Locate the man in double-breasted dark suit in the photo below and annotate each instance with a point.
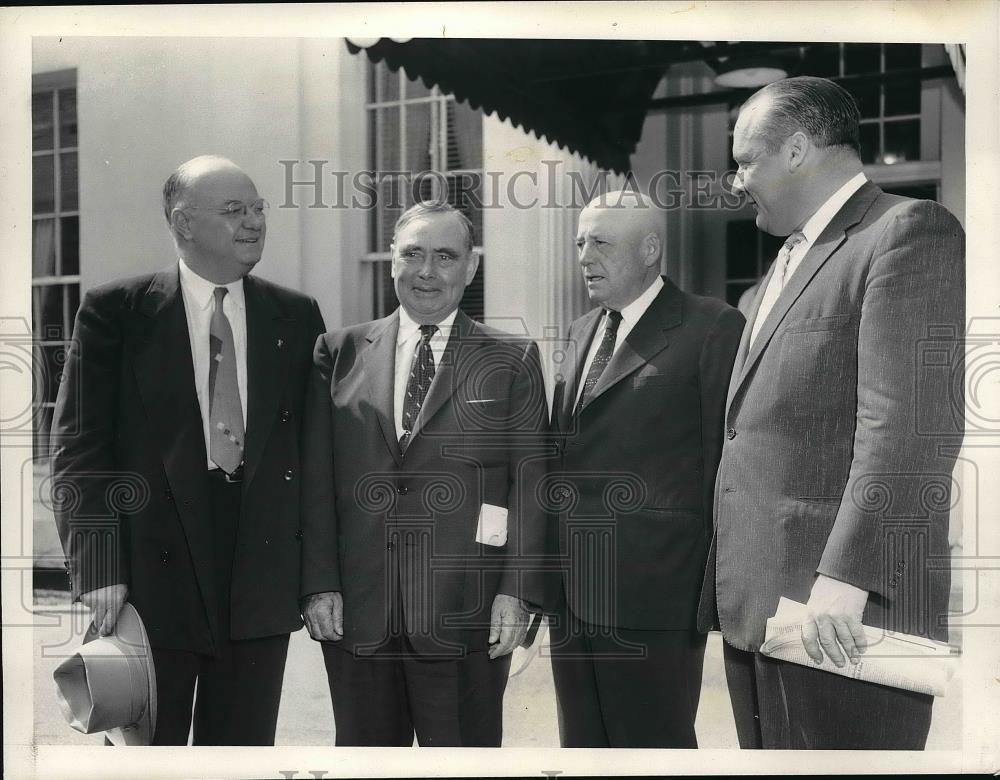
(843, 421)
(177, 470)
(639, 423)
(425, 447)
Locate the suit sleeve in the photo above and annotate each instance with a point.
(915, 290)
(528, 451)
(715, 367)
(320, 554)
(84, 466)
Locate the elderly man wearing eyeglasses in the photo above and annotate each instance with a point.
(177, 433)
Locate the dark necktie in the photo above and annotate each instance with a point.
(225, 410)
(421, 374)
(603, 356)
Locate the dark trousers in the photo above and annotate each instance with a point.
(779, 705)
(239, 689)
(386, 698)
(625, 688)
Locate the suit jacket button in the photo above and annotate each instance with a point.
(298, 534)
(165, 556)
(402, 490)
(285, 415)
(288, 475)
(731, 433)
(169, 494)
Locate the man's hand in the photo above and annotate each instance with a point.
(104, 605)
(834, 619)
(508, 625)
(324, 616)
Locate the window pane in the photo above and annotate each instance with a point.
(41, 121)
(387, 158)
(53, 356)
(902, 97)
(42, 185)
(736, 289)
(47, 311)
(70, 242)
(418, 138)
(867, 97)
(465, 137)
(68, 181)
(465, 194)
(415, 88)
(869, 143)
(67, 118)
(862, 58)
(474, 300)
(918, 191)
(72, 307)
(902, 141)
(384, 291)
(769, 248)
(902, 55)
(822, 59)
(43, 248)
(741, 249)
(386, 82)
(392, 195)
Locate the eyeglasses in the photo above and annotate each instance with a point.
(237, 208)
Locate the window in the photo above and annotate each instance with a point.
(421, 142)
(55, 243)
(897, 141)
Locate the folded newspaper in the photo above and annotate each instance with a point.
(912, 663)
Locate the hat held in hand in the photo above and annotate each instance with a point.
(109, 684)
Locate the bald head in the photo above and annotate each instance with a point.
(619, 243)
(214, 214)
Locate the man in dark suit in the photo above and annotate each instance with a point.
(177, 469)
(640, 425)
(833, 488)
(424, 449)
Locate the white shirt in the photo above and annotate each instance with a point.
(407, 341)
(630, 316)
(817, 223)
(199, 301)
(810, 231)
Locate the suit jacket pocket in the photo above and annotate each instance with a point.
(814, 324)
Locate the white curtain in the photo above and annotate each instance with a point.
(956, 51)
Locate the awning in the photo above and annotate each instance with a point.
(587, 96)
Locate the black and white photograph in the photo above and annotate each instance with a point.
(613, 384)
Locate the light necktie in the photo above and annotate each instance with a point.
(602, 356)
(421, 375)
(777, 282)
(226, 432)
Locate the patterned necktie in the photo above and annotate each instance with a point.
(602, 357)
(225, 410)
(777, 283)
(421, 374)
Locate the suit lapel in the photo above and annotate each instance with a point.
(269, 336)
(159, 348)
(461, 345)
(644, 341)
(586, 331)
(828, 242)
(379, 366)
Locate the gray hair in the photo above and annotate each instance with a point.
(427, 207)
(820, 108)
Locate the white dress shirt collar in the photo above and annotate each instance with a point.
(408, 327)
(201, 291)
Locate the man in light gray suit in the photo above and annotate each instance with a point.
(843, 420)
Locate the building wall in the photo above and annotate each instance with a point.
(146, 105)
